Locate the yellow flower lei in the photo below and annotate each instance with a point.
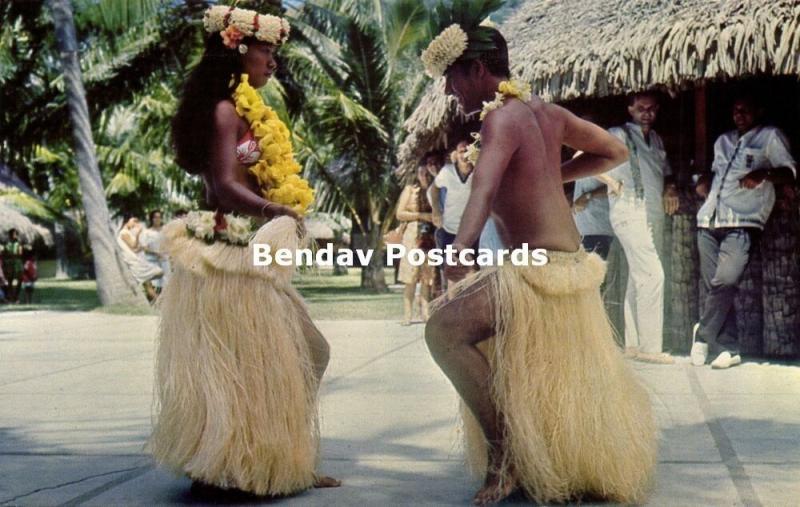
(276, 171)
(506, 90)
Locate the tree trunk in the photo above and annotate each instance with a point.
(373, 275)
(115, 285)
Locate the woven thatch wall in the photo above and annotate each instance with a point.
(572, 48)
(768, 298)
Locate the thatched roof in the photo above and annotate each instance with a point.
(29, 231)
(582, 48)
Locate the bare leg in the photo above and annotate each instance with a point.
(408, 302)
(318, 348)
(425, 297)
(320, 353)
(150, 291)
(452, 334)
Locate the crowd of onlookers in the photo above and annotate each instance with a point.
(630, 203)
(142, 252)
(429, 211)
(18, 271)
(140, 247)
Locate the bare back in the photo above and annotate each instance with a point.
(530, 205)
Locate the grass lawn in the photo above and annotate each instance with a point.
(340, 298)
(329, 298)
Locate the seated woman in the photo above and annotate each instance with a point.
(143, 272)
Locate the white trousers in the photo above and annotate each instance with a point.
(644, 295)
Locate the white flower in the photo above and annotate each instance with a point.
(214, 18)
(474, 149)
(202, 223)
(239, 229)
(444, 50)
(243, 20)
(271, 29)
(243, 49)
(488, 107)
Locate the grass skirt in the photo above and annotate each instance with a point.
(236, 398)
(577, 421)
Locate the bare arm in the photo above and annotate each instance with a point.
(778, 176)
(436, 206)
(403, 213)
(499, 142)
(225, 175)
(601, 150)
(130, 240)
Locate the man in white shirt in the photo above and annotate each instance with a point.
(456, 180)
(590, 210)
(747, 163)
(636, 214)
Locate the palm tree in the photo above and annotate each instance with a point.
(114, 283)
(354, 74)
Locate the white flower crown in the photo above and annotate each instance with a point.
(444, 50)
(234, 24)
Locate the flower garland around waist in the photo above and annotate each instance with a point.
(211, 226)
(276, 171)
(506, 90)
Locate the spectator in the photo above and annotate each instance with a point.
(3, 283)
(151, 242)
(12, 253)
(636, 213)
(748, 162)
(143, 272)
(414, 210)
(456, 180)
(434, 163)
(590, 210)
(29, 276)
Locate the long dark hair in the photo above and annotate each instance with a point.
(207, 85)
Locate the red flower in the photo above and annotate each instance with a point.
(231, 37)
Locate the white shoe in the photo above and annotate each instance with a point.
(726, 360)
(699, 352)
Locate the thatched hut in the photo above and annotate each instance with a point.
(588, 54)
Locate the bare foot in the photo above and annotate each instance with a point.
(496, 488)
(323, 481)
(498, 484)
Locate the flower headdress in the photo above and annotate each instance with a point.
(463, 33)
(234, 24)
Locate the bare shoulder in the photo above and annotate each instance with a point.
(506, 122)
(225, 116)
(559, 114)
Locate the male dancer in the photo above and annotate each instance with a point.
(529, 349)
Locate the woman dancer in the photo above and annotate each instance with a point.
(239, 360)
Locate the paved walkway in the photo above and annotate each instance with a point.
(75, 399)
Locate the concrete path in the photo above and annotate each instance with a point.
(75, 400)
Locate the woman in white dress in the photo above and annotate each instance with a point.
(150, 239)
(143, 272)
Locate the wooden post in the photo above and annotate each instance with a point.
(700, 129)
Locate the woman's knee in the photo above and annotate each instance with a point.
(436, 332)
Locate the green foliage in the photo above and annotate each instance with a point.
(28, 205)
(469, 14)
(360, 74)
(134, 55)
